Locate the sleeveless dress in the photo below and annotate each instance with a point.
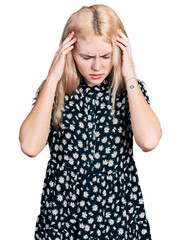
(91, 189)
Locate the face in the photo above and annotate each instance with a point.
(93, 60)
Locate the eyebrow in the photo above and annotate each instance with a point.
(86, 55)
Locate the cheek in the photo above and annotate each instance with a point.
(109, 64)
(82, 66)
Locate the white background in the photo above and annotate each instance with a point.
(30, 35)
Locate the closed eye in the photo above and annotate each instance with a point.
(86, 58)
(105, 57)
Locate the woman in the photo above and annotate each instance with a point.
(88, 109)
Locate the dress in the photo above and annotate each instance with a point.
(91, 189)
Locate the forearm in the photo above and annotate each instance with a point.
(145, 124)
(34, 130)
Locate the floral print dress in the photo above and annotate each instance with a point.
(91, 189)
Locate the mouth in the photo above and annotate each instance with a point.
(96, 76)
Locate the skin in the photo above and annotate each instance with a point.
(93, 58)
(56, 69)
(34, 130)
(145, 124)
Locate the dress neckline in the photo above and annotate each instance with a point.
(101, 87)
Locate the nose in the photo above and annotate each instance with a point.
(96, 64)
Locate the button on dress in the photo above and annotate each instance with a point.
(91, 189)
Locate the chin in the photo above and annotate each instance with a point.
(94, 82)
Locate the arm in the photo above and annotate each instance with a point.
(35, 128)
(145, 124)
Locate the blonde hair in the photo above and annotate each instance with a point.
(88, 22)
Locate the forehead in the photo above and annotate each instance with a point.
(97, 45)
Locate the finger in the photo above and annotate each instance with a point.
(64, 53)
(68, 44)
(63, 47)
(68, 38)
(126, 51)
(126, 43)
(123, 48)
(120, 32)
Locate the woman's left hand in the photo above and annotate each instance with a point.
(127, 63)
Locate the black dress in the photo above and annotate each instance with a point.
(91, 189)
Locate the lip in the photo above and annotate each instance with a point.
(96, 76)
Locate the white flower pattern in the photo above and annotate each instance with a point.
(91, 188)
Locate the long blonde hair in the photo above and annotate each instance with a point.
(87, 22)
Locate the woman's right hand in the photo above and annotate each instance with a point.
(57, 66)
